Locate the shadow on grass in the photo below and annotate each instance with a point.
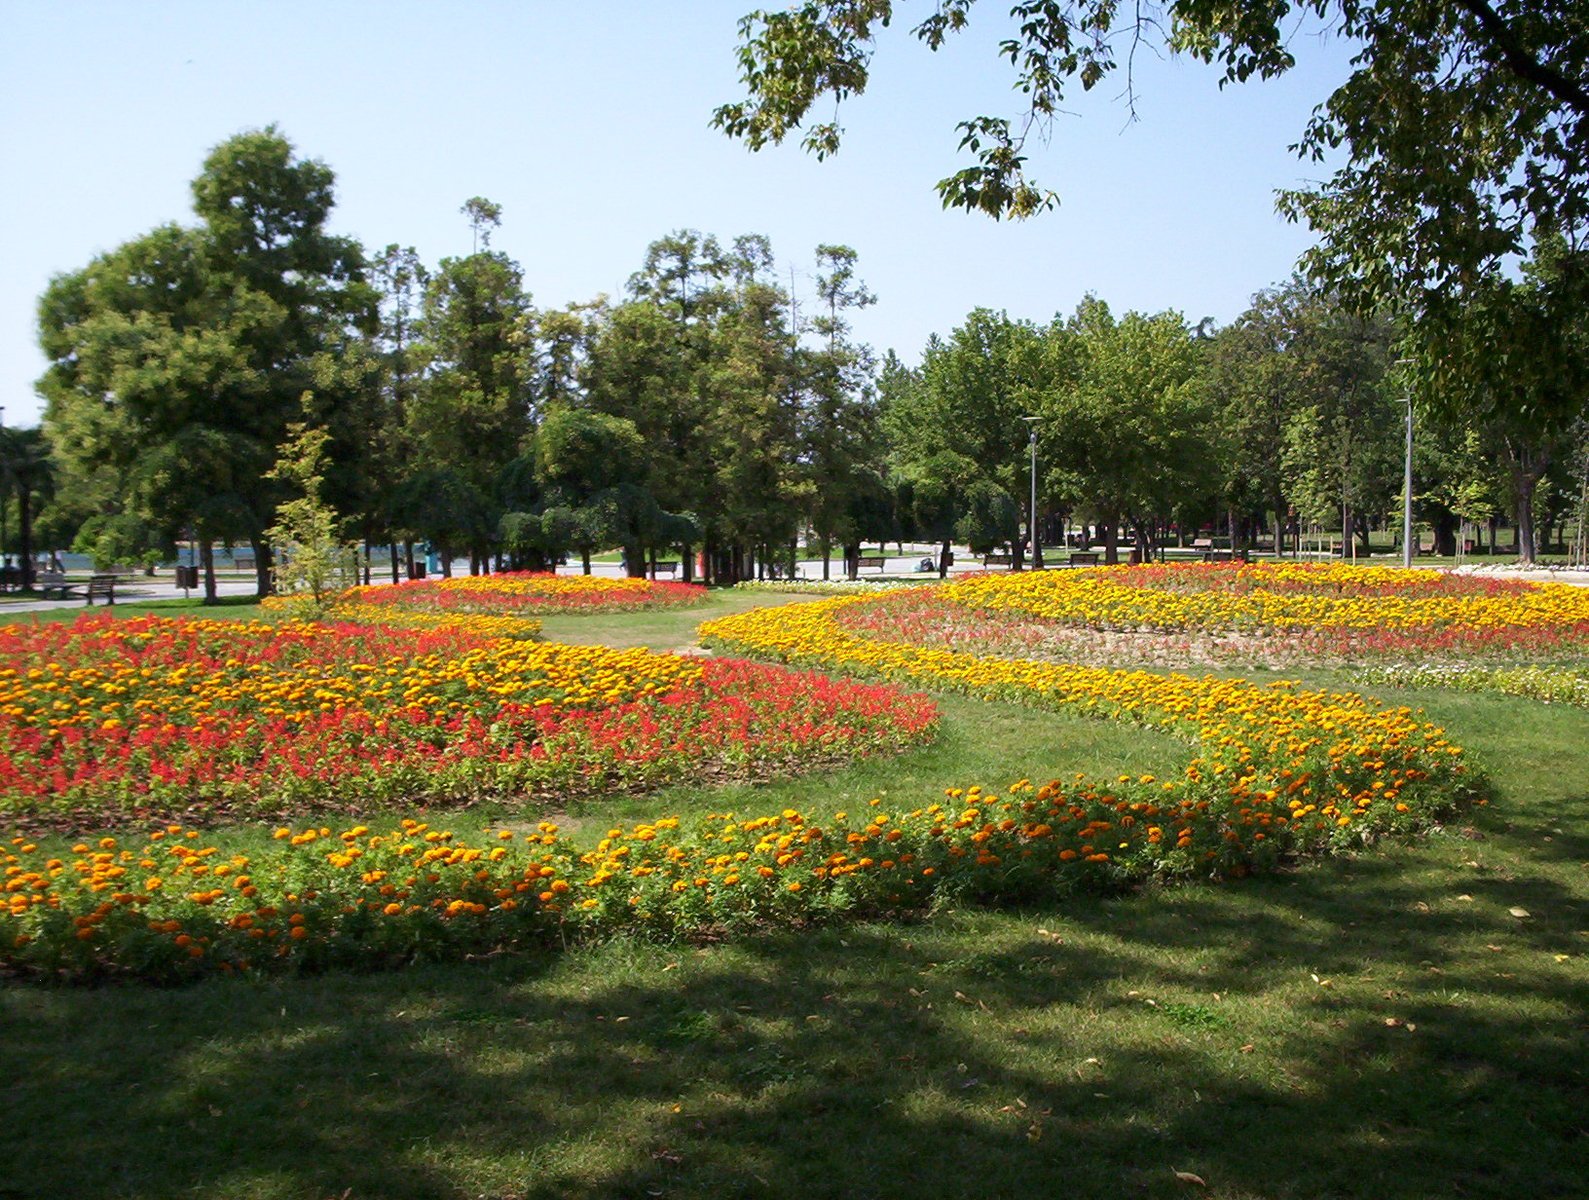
(1380, 1026)
(1343, 1031)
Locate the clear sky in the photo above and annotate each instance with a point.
(589, 124)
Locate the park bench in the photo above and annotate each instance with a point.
(1084, 558)
(53, 584)
(1213, 556)
(872, 560)
(665, 568)
(100, 587)
(998, 560)
(243, 562)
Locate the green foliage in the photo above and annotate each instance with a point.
(956, 423)
(177, 360)
(121, 539)
(314, 565)
(1127, 431)
(1457, 143)
(27, 474)
(1514, 365)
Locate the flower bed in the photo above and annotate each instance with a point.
(169, 907)
(1553, 685)
(1215, 613)
(1339, 769)
(521, 593)
(1276, 772)
(112, 721)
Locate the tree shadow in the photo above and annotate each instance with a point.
(1380, 1025)
(978, 1054)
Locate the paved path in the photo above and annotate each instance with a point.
(136, 590)
(161, 587)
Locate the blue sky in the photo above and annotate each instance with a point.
(589, 124)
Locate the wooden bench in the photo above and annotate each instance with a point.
(1213, 556)
(998, 560)
(243, 562)
(53, 584)
(100, 587)
(665, 568)
(871, 560)
(1084, 558)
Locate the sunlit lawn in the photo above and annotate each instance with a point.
(1384, 1026)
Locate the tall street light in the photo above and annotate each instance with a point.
(1406, 495)
(1031, 520)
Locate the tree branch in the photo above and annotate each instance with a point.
(1522, 63)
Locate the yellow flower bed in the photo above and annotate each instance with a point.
(1273, 596)
(518, 584)
(1338, 759)
(486, 625)
(179, 672)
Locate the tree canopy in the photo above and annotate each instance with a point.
(1462, 123)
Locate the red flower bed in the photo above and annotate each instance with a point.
(108, 721)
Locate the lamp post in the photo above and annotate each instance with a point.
(1406, 495)
(1031, 520)
(5, 498)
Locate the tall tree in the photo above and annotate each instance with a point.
(701, 360)
(959, 415)
(1517, 366)
(474, 412)
(1280, 378)
(178, 359)
(1126, 427)
(840, 437)
(400, 278)
(27, 474)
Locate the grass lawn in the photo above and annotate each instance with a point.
(663, 629)
(1382, 1026)
(229, 607)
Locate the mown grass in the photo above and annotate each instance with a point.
(1380, 1026)
(240, 608)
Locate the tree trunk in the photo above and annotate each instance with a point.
(264, 564)
(1111, 541)
(634, 558)
(207, 561)
(391, 549)
(584, 559)
(1524, 484)
(444, 555)
(25, 534)
(944, 556)
(827, 559)
(1445, 535)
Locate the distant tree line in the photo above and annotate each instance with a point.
(711, 415)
